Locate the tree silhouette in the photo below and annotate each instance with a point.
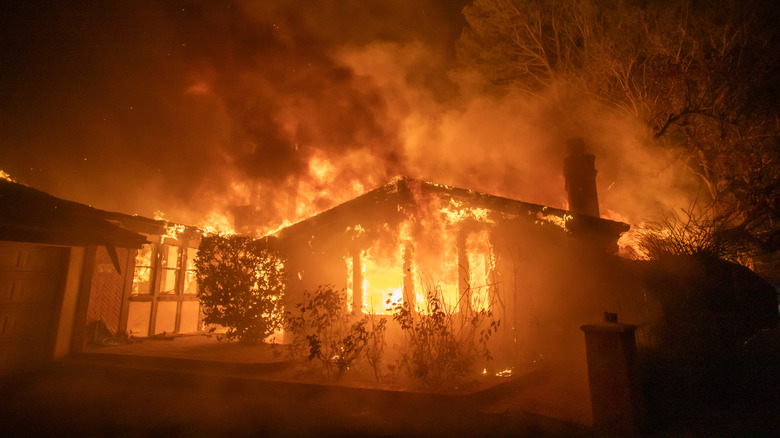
(701, 76)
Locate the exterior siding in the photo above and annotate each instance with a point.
(107, 289)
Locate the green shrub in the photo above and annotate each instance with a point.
(241, 284)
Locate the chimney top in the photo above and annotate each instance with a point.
(580, 174)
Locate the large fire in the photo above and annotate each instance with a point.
(440, 245)
(421, 255)
(383, 282)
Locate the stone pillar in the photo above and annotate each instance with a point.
(613, 375)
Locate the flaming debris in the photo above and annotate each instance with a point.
(217, 223)
(4, 175)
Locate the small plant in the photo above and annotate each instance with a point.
(442, 348)
(325, 332)
(240, 286)
(375, 343)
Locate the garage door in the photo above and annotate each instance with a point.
(31, 285)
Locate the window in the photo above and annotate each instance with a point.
(142, 274)
(163, 297)
(190, 274)
(169, 265)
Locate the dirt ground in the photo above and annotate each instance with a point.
(199, 387)
(97, 400)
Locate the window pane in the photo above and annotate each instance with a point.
(191, 283)
(170, 257)
(144, 256)
(142, 273)
(191, 254)
(168, 281)
(383, 279)
(480, 265)
(141, 276)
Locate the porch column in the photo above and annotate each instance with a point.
(464, 280)
(357, 283)
(408, 294)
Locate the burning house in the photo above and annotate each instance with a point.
(70, 271)
(532, 266)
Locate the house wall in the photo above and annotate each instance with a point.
(107, 287)
(553, 283)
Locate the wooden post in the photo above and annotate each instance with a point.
(80, 321)
(357, 283)
(464, 280)
(408, 294)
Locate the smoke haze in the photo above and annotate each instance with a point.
(190, 108)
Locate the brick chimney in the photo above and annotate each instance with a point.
(580, 174)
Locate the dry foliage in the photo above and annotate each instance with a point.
(441, 348)
(694, 232)
(701, 76)
(327, 334)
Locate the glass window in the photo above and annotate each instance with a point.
(190, 274)
(169, 265)
(142, 273)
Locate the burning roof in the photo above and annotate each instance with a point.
(409, 234)
(402, 194)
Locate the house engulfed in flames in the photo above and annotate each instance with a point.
(526, 263)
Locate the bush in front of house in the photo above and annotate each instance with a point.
(327, 334)
(442, 348)
(439, 347)
(241, 283)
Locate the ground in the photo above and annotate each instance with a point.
(218, 389)
(197, 386)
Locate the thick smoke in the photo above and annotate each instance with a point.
(192, 108)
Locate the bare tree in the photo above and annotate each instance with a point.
(702, 76)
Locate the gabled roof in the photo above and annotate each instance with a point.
(30, 215)
(400, 193)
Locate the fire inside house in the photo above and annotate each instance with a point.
(390, 245)
(523, 262)
(72, 273)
